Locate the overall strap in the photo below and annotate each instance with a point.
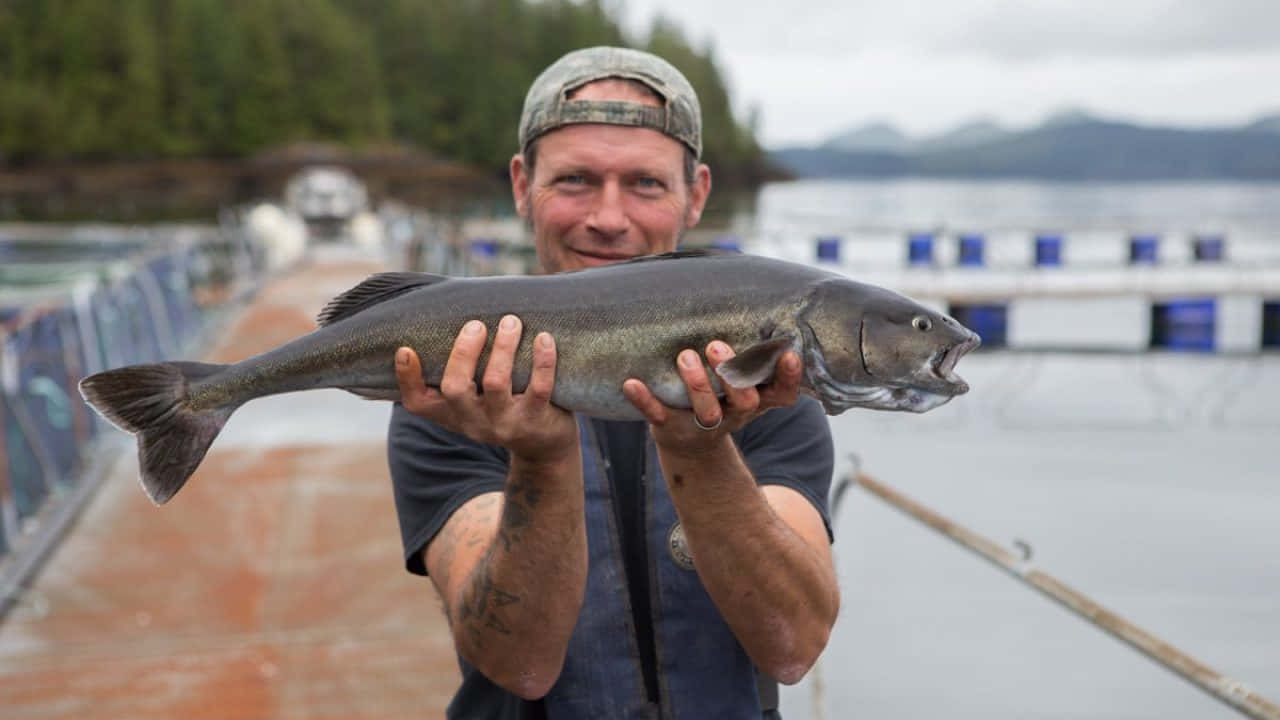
(703, 672)
(602, 677)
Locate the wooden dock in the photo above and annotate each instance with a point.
(272, 587)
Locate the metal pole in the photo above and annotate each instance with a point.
(1225, 689)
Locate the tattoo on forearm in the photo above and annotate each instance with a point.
(481, 600)
(521, 497)
(480, 603)
(471, 520)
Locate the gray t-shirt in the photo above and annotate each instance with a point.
(435, 471)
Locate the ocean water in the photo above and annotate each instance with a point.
(1149, 482)
(832, 206)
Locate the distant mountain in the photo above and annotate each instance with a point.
(1070, 145)
(1268, 123)
(872, 137)
(974, 132)
(1067, 117)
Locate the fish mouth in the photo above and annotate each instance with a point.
(945, 366)
(837, 396)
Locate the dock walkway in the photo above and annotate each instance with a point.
(271, 587)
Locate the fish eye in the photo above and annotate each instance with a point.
(922, 323)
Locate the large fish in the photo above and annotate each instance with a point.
(861, 345)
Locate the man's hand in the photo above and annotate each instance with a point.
(675, 430)
(743, 536)
(527, 424)
(512, 585)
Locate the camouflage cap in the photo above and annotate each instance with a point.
(547, 106)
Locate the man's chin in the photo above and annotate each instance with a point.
(577, 260)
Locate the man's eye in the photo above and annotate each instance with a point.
(572, 179)
(648, 183)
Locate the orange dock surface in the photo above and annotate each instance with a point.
(272, 586)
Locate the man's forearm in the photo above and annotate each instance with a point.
(774, 590)
(515, 612)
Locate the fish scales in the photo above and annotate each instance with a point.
(615, 339)
(861, 346)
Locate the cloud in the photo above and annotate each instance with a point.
(1136, 28)
(1010, 29)
(819, 66)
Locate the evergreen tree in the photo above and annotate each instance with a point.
(84, 79)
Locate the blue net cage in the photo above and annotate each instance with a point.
(920, 249)
(1144, 249)
(971, 250)
(1048, 250)
(1271, 324)
(990, 321)
(1185, 324)
(1209, 248)
(828, 249)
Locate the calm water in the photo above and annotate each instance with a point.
(1149, 482)
(806, 207)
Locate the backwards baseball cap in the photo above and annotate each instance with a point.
(547, 106)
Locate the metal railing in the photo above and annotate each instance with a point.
(1226, 690)
(135, 296)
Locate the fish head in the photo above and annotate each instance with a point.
(906, 344)
(871, 347)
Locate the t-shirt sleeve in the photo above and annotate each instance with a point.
(433, 472)
(792, 446)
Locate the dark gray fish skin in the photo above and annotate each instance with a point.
(862, 346)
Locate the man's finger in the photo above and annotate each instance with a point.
(648, 405)
(786, 382)
(739, 399)
(416, 397)
(458, 381)
(543, 377)
(497, 373)
(703, 401)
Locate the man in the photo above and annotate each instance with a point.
(594, 569)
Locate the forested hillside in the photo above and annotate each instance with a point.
(86, 80)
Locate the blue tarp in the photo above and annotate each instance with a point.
(46, 392)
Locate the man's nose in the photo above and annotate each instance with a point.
(609, 218)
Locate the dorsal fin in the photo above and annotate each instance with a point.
(375, 289)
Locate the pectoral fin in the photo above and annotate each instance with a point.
(755, 365)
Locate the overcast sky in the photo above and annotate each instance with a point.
(818, 67)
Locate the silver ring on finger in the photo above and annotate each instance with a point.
(708, 428)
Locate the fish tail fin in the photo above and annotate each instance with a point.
(152, 403)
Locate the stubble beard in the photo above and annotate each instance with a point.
(531, 231)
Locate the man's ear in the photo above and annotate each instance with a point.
(520, 184)
(698, 194)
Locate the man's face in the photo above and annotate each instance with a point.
(600, 194)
